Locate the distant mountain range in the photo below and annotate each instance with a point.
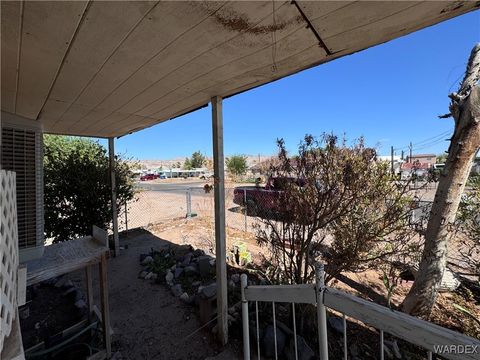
(171, 163)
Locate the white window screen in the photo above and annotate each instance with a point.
(21, 153)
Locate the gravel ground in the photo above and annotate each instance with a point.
(147, 320)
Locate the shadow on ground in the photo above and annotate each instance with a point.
(147, 320)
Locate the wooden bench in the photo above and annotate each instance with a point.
(83, 253)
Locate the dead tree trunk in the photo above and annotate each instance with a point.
(465, 109)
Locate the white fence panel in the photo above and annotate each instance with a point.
(8, 253)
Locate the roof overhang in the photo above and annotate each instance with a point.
(110, 68)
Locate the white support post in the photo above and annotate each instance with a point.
(189, 203)
(245, 208)
(111, 154)
(321, 312)
(89, 285)
(126, 218)
(245, 322)
(382, 346)
(220, 237)
(105, 307)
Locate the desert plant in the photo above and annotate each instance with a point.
(468, 226)
(343, 208)
(241, 254)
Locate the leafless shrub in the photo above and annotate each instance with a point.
(337, 204)
(468, 225)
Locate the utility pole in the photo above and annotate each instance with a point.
(391, 160)
(410, 147)
(402, 156)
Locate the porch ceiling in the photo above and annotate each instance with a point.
(106, 69)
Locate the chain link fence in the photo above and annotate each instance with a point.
(161, 205)
(156, 206)
(151, 207)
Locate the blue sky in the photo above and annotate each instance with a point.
(391, 94)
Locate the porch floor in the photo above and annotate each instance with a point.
(147, 320)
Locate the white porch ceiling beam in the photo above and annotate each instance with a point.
(107, 69)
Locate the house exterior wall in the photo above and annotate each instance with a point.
(22, 152)
(423, 159)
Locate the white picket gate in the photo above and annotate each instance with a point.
(424, 334)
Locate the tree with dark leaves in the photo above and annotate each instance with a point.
(77, 186)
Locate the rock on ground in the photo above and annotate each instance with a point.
(336, 323)
(304, 351)
(209, 290)
(227, 354)
(147, 260)
(268, 341)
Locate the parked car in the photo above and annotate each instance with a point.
(263, 201)
(147, 177)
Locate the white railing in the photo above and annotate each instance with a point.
(431, 337)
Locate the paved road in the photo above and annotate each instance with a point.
(171, 187)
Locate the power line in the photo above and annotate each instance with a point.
(434, 139)
(429, 145)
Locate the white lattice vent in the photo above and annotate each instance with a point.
(8, 253)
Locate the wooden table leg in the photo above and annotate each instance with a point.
(105, 309)
(89, 281)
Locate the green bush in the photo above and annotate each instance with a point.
(236, 165)
(77, 186)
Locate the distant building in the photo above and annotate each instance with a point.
(423, 159)
(397, 162)
(408, 166)
(178, 172)
(396, 158)
(262, 167)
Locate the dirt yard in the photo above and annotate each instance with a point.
(199, 232)
(147, 320)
